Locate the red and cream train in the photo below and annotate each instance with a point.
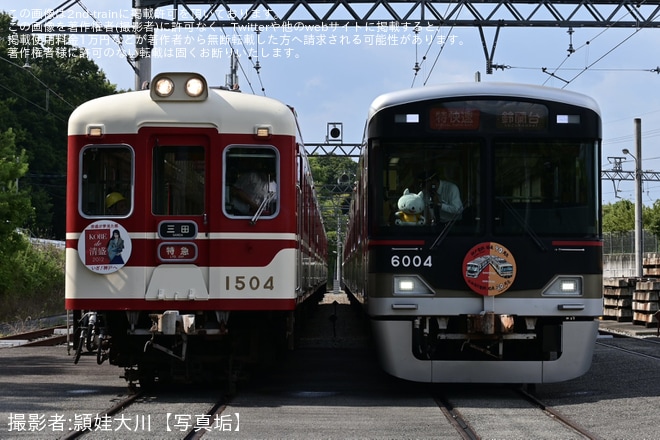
(164, 247)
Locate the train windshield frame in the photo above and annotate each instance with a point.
(251, 184)
(518, 167)
(106, 180)
(542, 186)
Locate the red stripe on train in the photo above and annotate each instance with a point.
(396, 243)
(578, 243)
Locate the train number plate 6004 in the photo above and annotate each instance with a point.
(407, 260)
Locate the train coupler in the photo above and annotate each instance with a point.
(489, 323)
(184, 347)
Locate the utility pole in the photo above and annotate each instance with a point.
(639, 176)
(639, 225)
(231, 79)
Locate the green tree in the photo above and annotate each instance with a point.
(41, 83)
(619, 217)
(15, 208)
(651, 218)
(32, 277)
(334, 177)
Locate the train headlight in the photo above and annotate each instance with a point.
(410, 285)
(195, 87)
(164, 87)
(564, 285)
(179, 86)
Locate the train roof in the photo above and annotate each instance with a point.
(227, 111)
(482, 89)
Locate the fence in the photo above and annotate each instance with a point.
(624, 242)
(619, 252)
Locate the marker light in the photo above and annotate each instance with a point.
(194, 87)
(262, 131)
(164, 87)
(95, 131)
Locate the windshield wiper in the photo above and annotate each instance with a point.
(270, 196)
(448, 226)
(523, 223)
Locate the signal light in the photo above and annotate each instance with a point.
(334, 132)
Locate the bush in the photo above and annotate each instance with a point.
(33, 282)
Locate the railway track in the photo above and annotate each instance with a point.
(208, 423)
(139, 414)
(643, 347)
(523, 414)
(321, 393)
(36, 338)
(555, 414)
(458, 410)
(103, 416)
(331, 393)
(458, 407)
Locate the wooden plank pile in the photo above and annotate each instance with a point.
(651, 265)
(645, 302)
(618, 297)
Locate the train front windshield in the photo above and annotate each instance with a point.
(486, 179)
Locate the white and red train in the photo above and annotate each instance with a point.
(193, 229)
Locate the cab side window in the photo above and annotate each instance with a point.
(106, 181)
(251, 181)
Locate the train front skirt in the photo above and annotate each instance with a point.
(394, 341)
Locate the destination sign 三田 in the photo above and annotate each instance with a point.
(177, 229)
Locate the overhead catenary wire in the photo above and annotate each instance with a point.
(418, 65)
(56, 11)
(49, 90)
(437, 57)
(629, 138)
(603, 56)
(571, 50)
(70, 3)
(118, 41)
(31, 102)
(256, 67)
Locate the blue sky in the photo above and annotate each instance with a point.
(332, 75)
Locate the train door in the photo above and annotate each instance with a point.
(180, 209)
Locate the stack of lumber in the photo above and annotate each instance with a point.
(645, 302)
(651, 265)
(618, 297)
